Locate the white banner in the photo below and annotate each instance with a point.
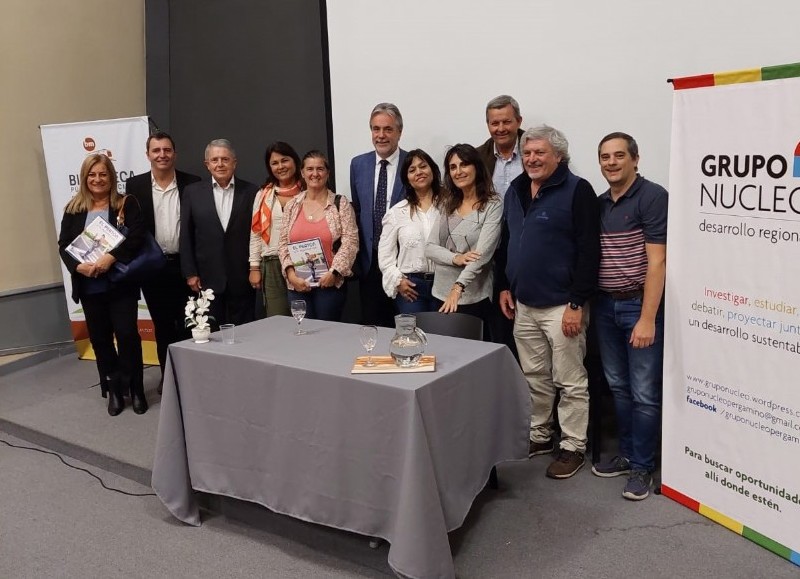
(731, 422)
(65, 148)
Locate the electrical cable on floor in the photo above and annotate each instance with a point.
(61, 458)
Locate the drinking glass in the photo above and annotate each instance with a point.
(298, 313)
(369, 337)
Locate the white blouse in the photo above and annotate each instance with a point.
(258, 248)
(402, 246)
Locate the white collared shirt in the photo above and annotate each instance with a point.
(223, 199)
(402, 246)
(506, 170)
(391, 171)
(167, 215)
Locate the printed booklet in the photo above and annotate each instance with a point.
(97, 239)
(309, 260)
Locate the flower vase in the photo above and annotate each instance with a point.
(200, 336)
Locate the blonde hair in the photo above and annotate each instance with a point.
(82, 200)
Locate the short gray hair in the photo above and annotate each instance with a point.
(388, 109)
(553, 136)
(503, 101)
(225, 143)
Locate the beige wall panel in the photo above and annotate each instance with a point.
(60, 61)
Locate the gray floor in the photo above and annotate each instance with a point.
(59, 522)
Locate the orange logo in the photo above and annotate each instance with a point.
(89, 144)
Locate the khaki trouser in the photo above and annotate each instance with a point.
(274, 287)
(552, 362)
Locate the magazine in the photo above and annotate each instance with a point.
(309, 260)
(97, 239)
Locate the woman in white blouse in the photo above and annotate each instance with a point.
(283, 183)
(407, 273)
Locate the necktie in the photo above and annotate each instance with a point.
(379, 208)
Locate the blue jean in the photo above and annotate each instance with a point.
(425, 301)
(322, 303)
(634, 376)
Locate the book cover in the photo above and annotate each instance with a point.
(97, 239)
(309, 260)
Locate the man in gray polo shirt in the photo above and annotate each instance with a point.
(629, 311)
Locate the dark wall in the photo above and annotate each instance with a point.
(251, 72)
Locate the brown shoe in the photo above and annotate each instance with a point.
(537, 448)
(566, 464)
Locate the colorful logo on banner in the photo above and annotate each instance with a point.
(797, 160)
(90, 146)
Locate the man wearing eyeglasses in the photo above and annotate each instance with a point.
(547, 270)
(375, 187)
(215, 236)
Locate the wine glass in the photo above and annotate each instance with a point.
(298, 313)
(369, 337)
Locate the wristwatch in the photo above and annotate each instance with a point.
(461, 285)
(573, 306)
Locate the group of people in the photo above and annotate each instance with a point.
(509, 234)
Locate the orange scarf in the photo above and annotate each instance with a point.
(262, 219)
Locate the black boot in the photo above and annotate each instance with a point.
(138, 400)
(116, 403)
(104, 386)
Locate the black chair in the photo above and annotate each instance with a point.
(455, 325)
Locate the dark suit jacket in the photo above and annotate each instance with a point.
(486, 151)
(141, 187)
(73, 224)
(362, 193)
(220, 257)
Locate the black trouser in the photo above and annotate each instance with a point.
(481, 309)
(230, 308)
(377, 309)
(111, 314)
(501, 328)
(166, 294)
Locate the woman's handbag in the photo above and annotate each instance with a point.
(149, 260)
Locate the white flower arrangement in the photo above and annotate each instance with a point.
(197, 310)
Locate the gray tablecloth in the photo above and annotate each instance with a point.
(278, 420)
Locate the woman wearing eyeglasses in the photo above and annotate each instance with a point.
(463, 242)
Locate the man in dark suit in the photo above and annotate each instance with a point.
(215, 236)
(159, 193)
(374, 187)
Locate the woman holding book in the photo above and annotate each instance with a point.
(321, 226)
(407, 273)
(283, 183)
(111, 309)
(463, 242)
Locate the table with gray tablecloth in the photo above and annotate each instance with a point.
(279, 420)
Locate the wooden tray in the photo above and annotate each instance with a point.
(385, 365)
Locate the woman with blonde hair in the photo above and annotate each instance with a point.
(110, 309)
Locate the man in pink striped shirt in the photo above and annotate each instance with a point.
(629, 313)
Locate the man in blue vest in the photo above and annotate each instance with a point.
(547, 270)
